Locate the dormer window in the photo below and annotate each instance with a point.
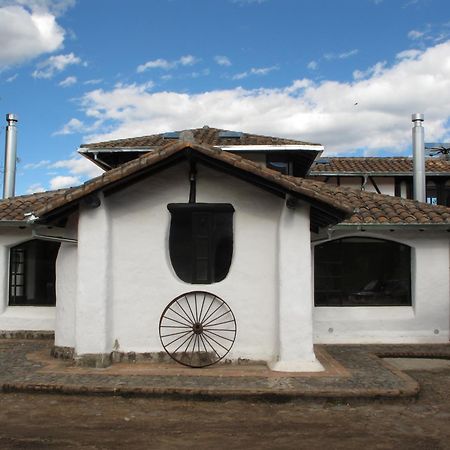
(201, 241)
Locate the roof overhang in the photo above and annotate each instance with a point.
(324, 211)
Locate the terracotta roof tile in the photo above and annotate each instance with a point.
(205, 136)
(362, 207)
(14, 208)
(381, 165)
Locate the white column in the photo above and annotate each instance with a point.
(295, 299)
(93, 327)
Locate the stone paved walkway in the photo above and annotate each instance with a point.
(352, 371)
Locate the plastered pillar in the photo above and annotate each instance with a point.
(295, 296)
(93, 327)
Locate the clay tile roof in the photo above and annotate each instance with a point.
(306, 188)
(14, 208)
(375, 165)
(203, 136)
(360, 207)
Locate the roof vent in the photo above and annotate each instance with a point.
(171, 135)
(230, 134)
(187, 136)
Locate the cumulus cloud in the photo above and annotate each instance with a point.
(35, 187)
(323, 112)
(222, 60)
(72, 126)
(343, 55)
(37, 165)
(29, 28)
(55, 64)
(78, 166)
(312, 65)
(62, 181)
(160, 63)
(254, 71)
(69, 81)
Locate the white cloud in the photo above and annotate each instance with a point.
(38, 165)
(222, 60)
(322, 112)
(374, 71)
(12, 78)
(343, 55)
(254, 71)
(69, 81)
(36, 187)
(27, 32)
(186, 60)
(248, 2)
(54, 64)
(94, 81)
(72, 126)
(78, 166)
(312, 65)
(415, 34)
(62, 181)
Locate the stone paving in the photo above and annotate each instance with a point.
(352, 371)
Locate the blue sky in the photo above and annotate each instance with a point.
(346, 74)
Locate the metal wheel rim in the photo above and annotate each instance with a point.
(197, 329)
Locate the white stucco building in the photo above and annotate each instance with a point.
(297, 261)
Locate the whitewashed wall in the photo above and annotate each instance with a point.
(386, 185)
(427, 320)
(144, 282)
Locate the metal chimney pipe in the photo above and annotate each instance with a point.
(418, 157)
(9, 176)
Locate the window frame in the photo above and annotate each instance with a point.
(390, 283)
(13, 300)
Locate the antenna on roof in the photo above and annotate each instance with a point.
(438, 148)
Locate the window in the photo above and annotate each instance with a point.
(32, 274)
(201, 241)
(362, 272)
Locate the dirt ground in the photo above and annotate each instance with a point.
(70, 422)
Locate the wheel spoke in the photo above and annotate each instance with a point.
(190, 309)
(177, 321)
(180, 337)
(220, 323)
(213, 349)
(217, 318)
(196, 311)
(174, 334)
(175, 326)
(209, 307)
(207, 318)
(181, 345)
(218, 343)
(187, 315)
(178, 314)
(221, 337)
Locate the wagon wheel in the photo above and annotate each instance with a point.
(197, 329)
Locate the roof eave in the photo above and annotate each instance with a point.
(392, 226)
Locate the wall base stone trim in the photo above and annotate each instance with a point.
(26, 334)
(66, 353)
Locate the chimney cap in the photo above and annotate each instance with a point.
(12, 117)
(417, 116)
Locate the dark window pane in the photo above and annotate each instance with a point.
(201, 241)
(362, 272)
(32, 273)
